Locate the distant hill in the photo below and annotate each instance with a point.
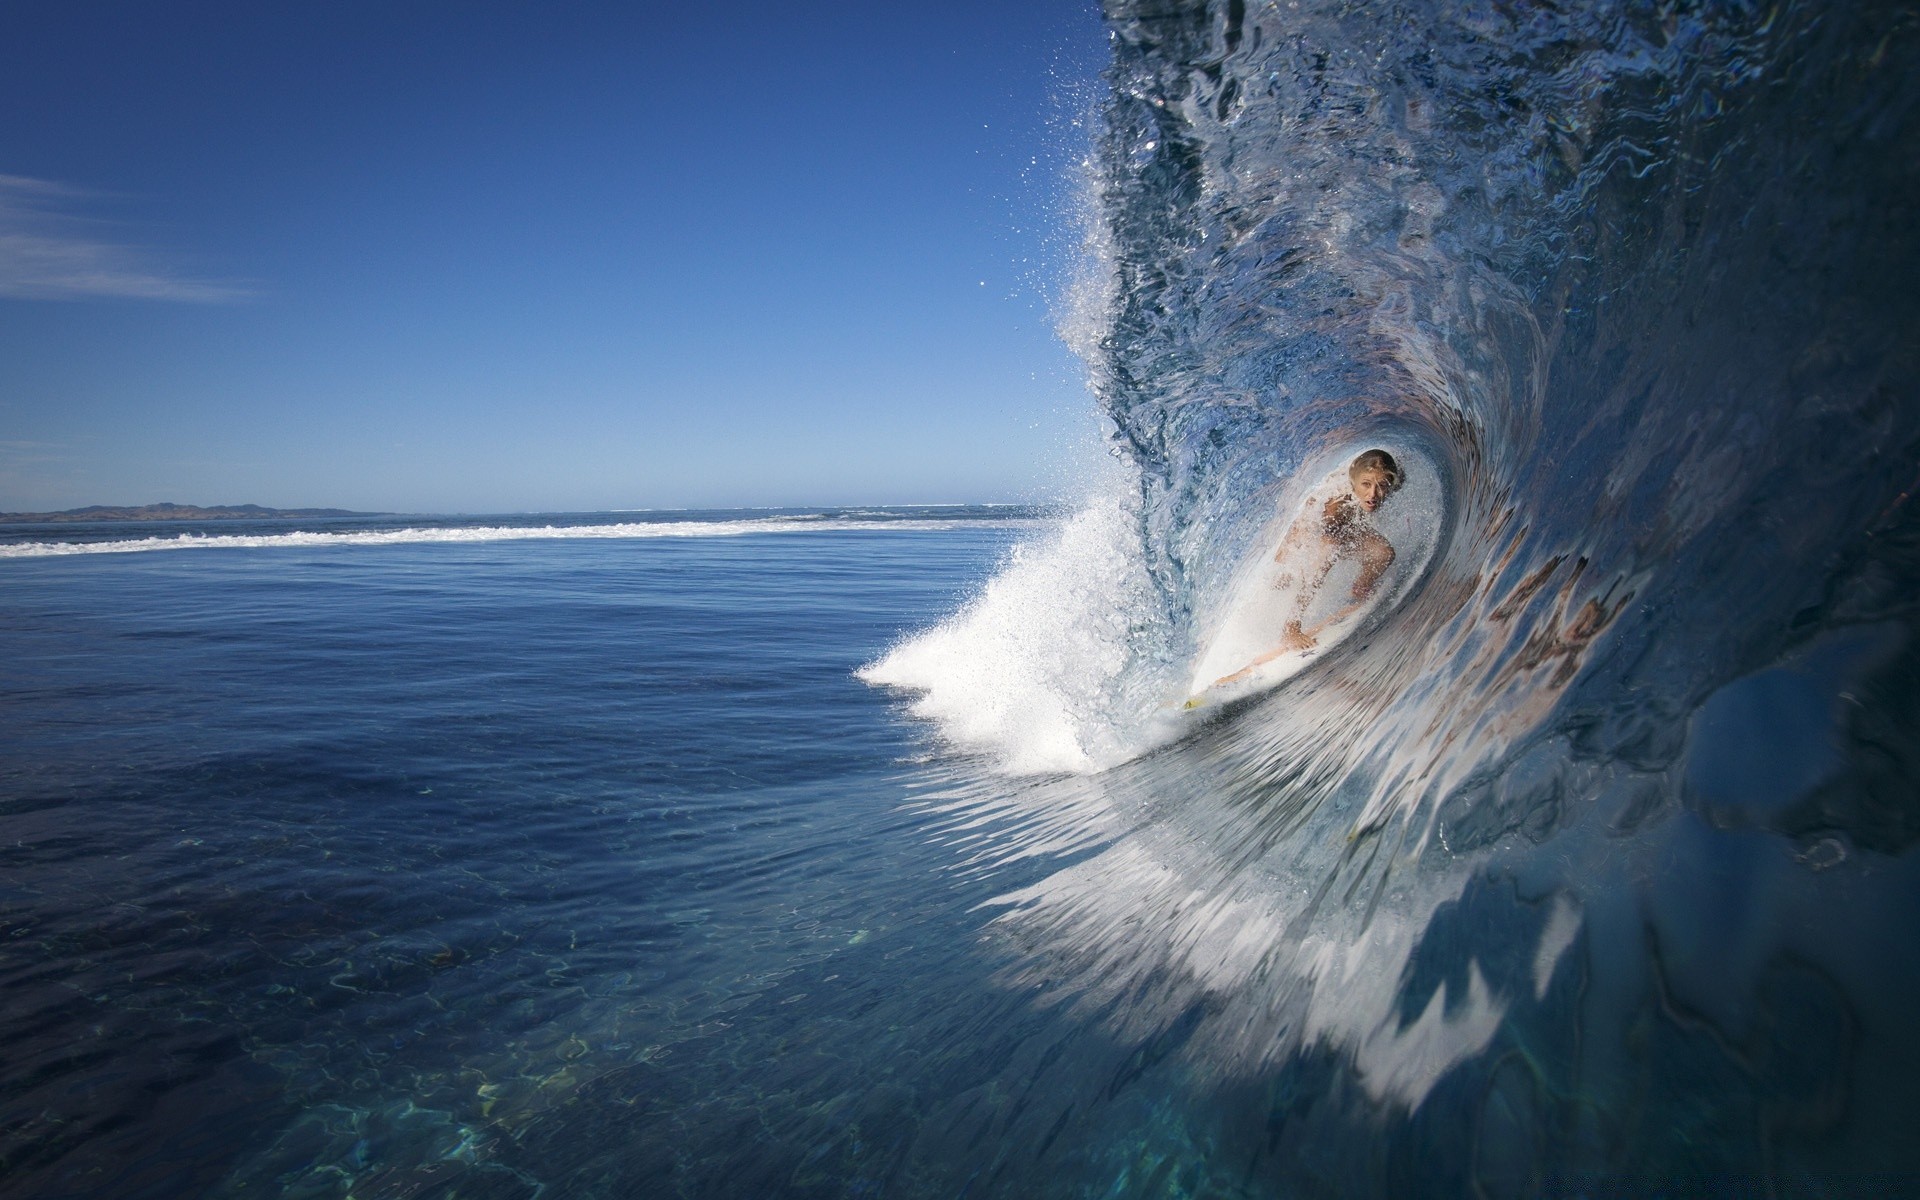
(174, 512)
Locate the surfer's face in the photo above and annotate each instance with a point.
(1371, 488)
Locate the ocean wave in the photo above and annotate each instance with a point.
(1630, 282)
(469, 534)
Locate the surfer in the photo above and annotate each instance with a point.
(1342, 528)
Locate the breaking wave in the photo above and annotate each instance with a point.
(1582, 855)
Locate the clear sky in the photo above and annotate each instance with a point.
(487, 257)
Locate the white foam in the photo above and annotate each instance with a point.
(1025, 673)
(430, 534)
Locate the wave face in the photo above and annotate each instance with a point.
(1593, 857)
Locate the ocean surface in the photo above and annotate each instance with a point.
(879, 853)
(437, 859)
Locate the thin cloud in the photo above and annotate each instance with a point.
(47, 252)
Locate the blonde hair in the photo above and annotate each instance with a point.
(1378, 460)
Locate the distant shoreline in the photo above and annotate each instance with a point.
(172, 512)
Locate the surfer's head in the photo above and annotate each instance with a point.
(1373, 476)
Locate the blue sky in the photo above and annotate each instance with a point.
(490, 257)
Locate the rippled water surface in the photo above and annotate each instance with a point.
(558, 867)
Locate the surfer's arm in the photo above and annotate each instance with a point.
(1308, 552)
(1313, 574)
(1376, 555)
(1300, 538)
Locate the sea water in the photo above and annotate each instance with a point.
(845, 853)
(494, 865)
